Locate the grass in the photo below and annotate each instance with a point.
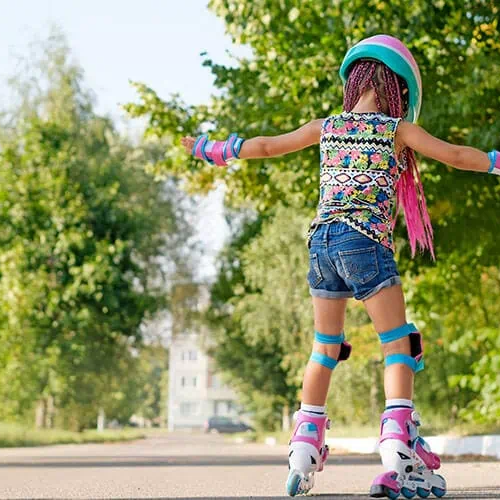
(12, 435)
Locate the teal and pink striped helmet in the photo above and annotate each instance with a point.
(394, 54)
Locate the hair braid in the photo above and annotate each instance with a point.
(390, 98)
(358, 81)
(393, 92)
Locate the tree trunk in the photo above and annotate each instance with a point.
(374, 390)
(40, 414)
(101, 420)
(285, 419)
(49, 413)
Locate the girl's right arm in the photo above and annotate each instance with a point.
(257, 147)
(278, 145)
(461, 157)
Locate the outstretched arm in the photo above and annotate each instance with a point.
(460, 157)
(268, 147)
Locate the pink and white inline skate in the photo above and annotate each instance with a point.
(307, 452)
(409, 462)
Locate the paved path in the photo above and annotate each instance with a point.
(198, 466)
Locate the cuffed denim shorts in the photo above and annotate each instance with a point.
(346, 263)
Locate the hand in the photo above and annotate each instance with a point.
(188, 143)
(214, 152)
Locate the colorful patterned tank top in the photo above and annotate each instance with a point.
(358, 174)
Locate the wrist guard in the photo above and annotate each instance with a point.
(217, 152)
(494, 157)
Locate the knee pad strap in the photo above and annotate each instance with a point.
(328, 339)
(397, 333)
(345, 347)
(404, 359)
(415, 360)
(323, 359)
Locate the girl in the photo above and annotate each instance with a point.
(368, 171)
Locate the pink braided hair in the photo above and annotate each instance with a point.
(389, 95)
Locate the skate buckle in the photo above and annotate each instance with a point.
(415, 417)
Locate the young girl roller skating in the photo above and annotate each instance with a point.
(368, 171)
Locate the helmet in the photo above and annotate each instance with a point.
(394, 54)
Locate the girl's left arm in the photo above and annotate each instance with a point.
(459, 157)
(271, 146)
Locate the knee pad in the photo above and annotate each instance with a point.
(415, 361)
(323, 359)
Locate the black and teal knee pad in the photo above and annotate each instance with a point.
(327, 361)
(415, 361)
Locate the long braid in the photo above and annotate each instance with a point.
(409, 189)
(380, 100)
(359, 80)
(389, 96)
(393, 92)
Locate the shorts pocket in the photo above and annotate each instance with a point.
(360, 265)
(314, 277)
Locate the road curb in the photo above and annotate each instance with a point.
(442, 445)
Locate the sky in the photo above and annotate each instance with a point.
(154, 41)
(157, 42)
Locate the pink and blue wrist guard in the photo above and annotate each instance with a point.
(494, 157)
(217, 152)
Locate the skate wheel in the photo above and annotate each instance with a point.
(439, 492)
(381, 491)
(293, 483)
(423, 493)
(407, 493)
(392, 494)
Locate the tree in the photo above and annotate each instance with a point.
(291, 78)
(87, 244)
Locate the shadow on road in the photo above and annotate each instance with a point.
(464, 494)
(177, 461)
(184, 461)
(453, 496)
(491, 493)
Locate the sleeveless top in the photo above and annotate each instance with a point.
(358, 174)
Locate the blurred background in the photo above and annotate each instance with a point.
(142, 288)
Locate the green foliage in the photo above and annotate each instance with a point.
(153, 383)
(86, 245)
(460, 307)
(12, 435)
(253, 359)
(291, 78)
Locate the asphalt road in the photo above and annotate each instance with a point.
(198, 466)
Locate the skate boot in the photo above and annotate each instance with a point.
(307, 452)
(409, 462)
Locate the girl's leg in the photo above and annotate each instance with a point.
(329, 315)
(307, 451)
(408, 460)
(387, 311)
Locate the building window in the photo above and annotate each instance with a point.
(222, 407)
(189, 381)
(215, 382)
(189, 408)
(189, 355)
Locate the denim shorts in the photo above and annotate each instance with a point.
(346, 263)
